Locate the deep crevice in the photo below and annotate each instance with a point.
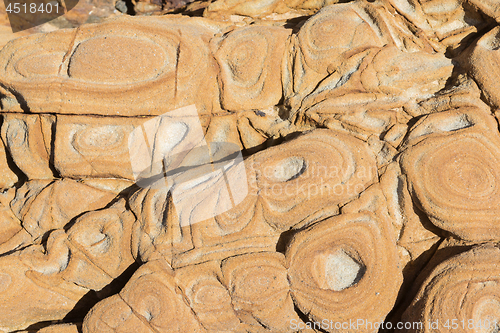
(21, 177)
(284, 240)
(91, 298)
(23, 104)
(52, 165)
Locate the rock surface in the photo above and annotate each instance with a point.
(464, 287)
(258, 166)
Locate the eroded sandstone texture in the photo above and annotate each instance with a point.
(277, 166)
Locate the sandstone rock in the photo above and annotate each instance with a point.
(29, 296)
(463, 287)
(188, 243)
(100, 61)
(298, 180)
(104, 239)
(343, 268)
(63, 328)
(271, 167)
(250, 63)
(116, 147)
(7, 178)
(94, 251)
(319, 51)
(93, 146)
(416, 236)
(482, 60)
(451, 171)
(488, 7)
(114, 315)
(44, 206)
(6, 33)
(90, 11)
(259, 289)
(148, 303)
(27, 138)
(368, 92)
(10, 224)
(462, 93)
(145, 7)
(226, 8)
(446, 23)
(297, 188)
(208, 297)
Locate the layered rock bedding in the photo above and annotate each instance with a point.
(259, 166)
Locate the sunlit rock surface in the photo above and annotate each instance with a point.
(251, 166)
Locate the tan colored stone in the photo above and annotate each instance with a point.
(148, 303)
(105, 69)
(345, 267)
(335, 167)
(60, 328)
(452, 174)
(237, 231)
(90, 147)
(112, 185)
(28, 296)
(103, 237)
(250, 61)
(9, 223)
(368, 92)
(208, 297)
(90, 11)
(150, 238)
(225, 129)
(310, 176)
(93, 146)
(288, 186)
(113, 315)
(6, 33)
(63, 328)
(27, 138)
(144, 7)
(482, 59)
(446, 23)
(7, 177)
(463, 287)
(318, 51)
(226, 8)
(489, 7)
(259, 289)
(415, 234)
(93, 252)
(43, 206)
(462, 93)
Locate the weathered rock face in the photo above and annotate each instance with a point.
(464, 287)
(278, 166)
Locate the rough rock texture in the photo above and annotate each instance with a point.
(263, 166)
(451, 170)
(463, 287)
